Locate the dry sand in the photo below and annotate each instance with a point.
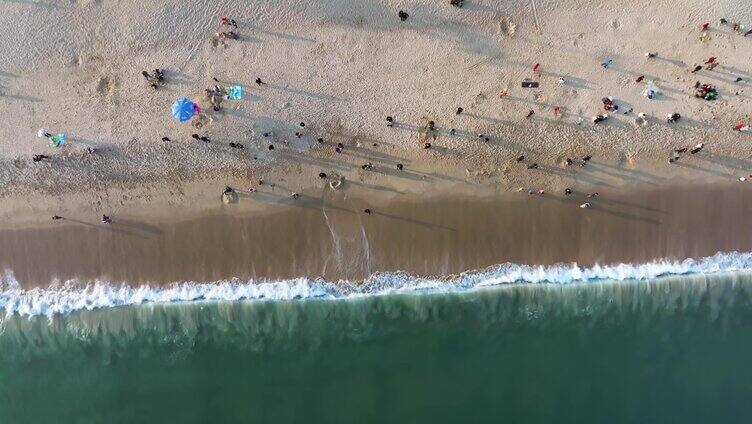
(341, 67)
(439, 236)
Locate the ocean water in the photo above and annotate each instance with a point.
(660, 342)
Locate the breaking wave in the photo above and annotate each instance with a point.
(71, 296)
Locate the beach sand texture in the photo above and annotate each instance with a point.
(341, 67)
(335, 240)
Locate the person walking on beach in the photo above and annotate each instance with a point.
(106, 219)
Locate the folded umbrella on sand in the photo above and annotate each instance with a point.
(183, 109)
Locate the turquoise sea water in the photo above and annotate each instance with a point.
(675, 349)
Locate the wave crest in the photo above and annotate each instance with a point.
(72, 296)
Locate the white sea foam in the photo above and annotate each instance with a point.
(74, 296)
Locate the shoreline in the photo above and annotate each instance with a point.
(328, 235)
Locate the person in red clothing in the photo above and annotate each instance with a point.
(536, 68)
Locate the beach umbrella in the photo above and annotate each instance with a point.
(183, 109)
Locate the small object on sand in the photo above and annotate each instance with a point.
(651, 55)
(536, 68)
(697, 149)
(711, 59)
(195, 136)
(704, 26)
(228, 195)
(651, 90)
(600, 118)
(367, 165)
(322, 175)
(641, 119)
(403, 15)
(526, 83)
(452, 131)
(39, 158)
(586, 158)
(456, 3)
(294, 195)
(640, 78)
(367, 211)
(237, 146)
(606, 63)
(567, 191)
(585, 205)
(459, 110)
(741, 126)
(739, 79)
(298, 135)
(520, 158)
(529, 114)
(681, 150)
(56, 217)
(400, 166)
(672, 118)
(336, 183)
(742, 179)
(561, 81)
(569, 162)
(259, 82)
(106, 219)
(520, 189)
(224, 20)
(271, 147)
(609, 104)
(205, 139)
(532, 166)
(302, 125)
(426, 145)
(320, 140)
(166, 139)
(42, 133)
(697, 68)
(591, 195)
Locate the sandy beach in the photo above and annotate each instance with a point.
(438, 236)
(341, 68)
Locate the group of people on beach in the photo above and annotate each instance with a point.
(429, 131)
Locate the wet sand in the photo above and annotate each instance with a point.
(332, 237)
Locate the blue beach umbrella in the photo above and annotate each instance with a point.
(183, 109)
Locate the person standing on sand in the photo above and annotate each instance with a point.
(106, 219)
